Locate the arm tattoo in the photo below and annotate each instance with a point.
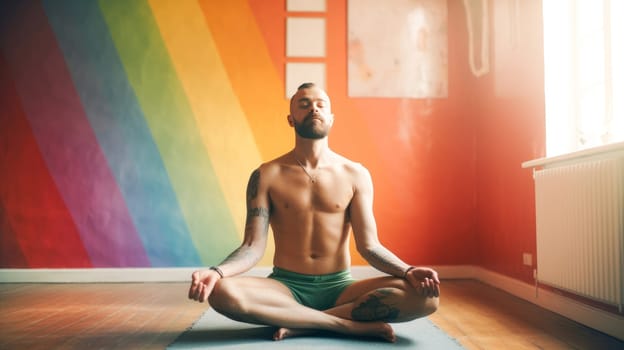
(252, 186)
(252, 193)
(385, 261)
(241, 253)
(262, 213)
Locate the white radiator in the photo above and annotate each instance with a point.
(580, 228)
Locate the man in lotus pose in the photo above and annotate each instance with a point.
(312, 197)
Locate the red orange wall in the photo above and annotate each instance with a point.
(420, 152)
(449, 186)
(509, 117)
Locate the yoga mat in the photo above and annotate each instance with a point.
(213, 330)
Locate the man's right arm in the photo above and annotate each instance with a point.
(252, 247)
(256, 229)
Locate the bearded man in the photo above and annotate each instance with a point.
(313, 198)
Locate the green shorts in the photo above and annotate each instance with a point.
(319, 292)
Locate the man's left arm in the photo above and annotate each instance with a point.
(371, 249)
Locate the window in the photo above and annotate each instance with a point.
(583, 74)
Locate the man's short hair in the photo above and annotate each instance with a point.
(302, 86)
(305, 86)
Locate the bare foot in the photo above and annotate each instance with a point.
(284, 333)
(367, 329)
(373, 329)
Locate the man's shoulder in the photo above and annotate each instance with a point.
(272, 166)
(349, 165)
(275, 162)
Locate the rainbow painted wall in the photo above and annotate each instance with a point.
(128, 131)
(129, 144)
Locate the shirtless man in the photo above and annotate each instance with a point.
(312, 197)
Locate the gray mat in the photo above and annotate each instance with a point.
(213, 330)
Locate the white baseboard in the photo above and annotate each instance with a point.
(601, 320)
(592, 317)
(169, 274)
(107, 275)
(96, 275)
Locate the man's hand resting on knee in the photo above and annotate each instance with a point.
(202, 284)
(425, 280)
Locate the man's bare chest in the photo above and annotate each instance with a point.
(323, 195)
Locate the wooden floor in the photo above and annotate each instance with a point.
(152, 315)
(482, 317)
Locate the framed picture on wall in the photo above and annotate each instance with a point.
(397, 48)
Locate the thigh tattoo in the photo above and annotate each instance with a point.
(375, 308)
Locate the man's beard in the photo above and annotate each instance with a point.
(307, 130)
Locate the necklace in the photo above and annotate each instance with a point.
(312, 179)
